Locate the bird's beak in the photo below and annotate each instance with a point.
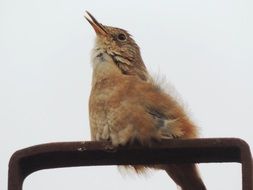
(99, 28)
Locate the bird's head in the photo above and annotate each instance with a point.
(120, 46)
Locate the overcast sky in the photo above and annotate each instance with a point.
(204, 48)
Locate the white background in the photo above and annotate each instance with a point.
(204, 48)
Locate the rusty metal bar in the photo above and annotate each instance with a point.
(69, 154)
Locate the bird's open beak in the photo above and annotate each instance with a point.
(99, 28)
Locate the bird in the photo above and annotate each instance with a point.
(127, 105)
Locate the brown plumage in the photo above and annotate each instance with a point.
(126, 105)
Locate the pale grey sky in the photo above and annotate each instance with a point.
(204, 48)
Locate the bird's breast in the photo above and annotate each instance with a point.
(104, 99)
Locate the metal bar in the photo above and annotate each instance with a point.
(69, 154)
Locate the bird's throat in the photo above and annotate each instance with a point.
(103, 66)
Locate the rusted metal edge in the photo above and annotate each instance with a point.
(69, 154)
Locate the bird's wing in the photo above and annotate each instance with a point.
(165, 125)
(168, 116)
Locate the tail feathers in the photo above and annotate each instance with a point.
(185, 175)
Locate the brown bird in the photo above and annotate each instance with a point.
(126, 105)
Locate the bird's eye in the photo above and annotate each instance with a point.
(122, 37)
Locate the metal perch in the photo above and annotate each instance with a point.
(69, 154)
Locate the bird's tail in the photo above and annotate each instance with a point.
(185, 175)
